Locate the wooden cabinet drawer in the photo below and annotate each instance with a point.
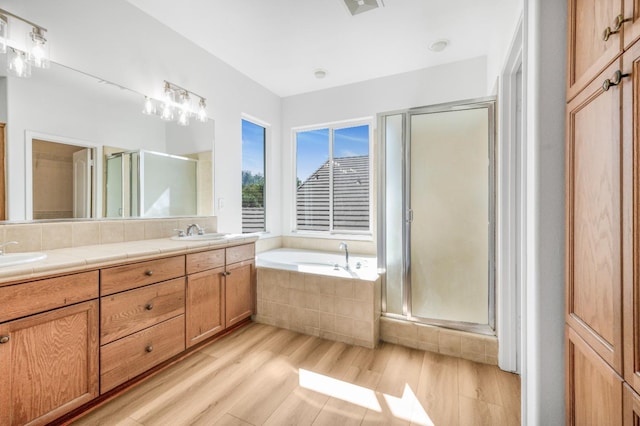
(38, 296)
(133, 310)
(205, 260)
(126, 358)
(126, 277)
(240, 253)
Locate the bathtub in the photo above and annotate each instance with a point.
(312, 292)
(319, 262)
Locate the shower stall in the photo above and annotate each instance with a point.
(150, 184)
(437, 215)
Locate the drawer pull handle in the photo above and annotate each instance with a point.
(608, 32)
(149, 348)
(225, 273)
(617, 78)
(4, 339)
(148, 306)
(149, 273)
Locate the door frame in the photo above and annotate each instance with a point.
(511, 214)
(28, 169)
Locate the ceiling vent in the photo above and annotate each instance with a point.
(356, 7)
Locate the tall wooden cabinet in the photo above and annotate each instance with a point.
(602, 212)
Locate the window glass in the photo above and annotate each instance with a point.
(253, 177)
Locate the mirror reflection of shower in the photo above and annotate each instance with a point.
(150, 184)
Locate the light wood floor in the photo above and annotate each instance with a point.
(265, 375)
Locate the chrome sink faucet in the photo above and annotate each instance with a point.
(3, 245)
(197, 227)
(343, 246)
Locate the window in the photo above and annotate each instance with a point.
(332, 179)
(253, 177)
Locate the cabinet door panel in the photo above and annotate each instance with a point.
(631, 29)
(593, 197)
(588, 53)
(631, 215)
(630, 407)
(239, 291)
(205, 305)
(594, 390)
(49, 364)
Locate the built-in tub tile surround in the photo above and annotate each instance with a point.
(341, 309)
(471, 346)
(39, 236)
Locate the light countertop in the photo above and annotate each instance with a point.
(76, 259)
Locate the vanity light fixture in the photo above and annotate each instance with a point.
(149, 106)
(177, 100)
(4, 33)
(35, 52)
(17, 63)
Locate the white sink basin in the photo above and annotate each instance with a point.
(203, 237)
(11, 259)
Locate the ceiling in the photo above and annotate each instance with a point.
(281, 43)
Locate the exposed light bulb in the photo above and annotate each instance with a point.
(149, 107)
(167, 112)
(4, 33)
(18, 64)
(202, 111)
(39, 52)
(183, 118)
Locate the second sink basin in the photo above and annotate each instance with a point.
(11, 259)
(203, 237)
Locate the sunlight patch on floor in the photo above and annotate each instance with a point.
(345, 391)
(406, 407)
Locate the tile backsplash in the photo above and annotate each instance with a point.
(38, 236)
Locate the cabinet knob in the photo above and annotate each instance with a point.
(149, 348)
(4, 339)
(148, 306)
(225, 273)
(149, 273)
(617, 26)
(617, 78)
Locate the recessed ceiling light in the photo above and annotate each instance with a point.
(320, 73)
(439, 45)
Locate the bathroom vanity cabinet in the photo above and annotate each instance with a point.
(66, 340)
(219, 290)
(48, 348)
(603, 213)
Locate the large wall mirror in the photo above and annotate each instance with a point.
(62, 129)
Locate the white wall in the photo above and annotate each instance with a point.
(444, 83)
(116, 41)
(502, 30)
(545, 26)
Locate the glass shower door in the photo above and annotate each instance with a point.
(450, 203)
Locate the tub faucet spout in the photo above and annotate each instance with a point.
(343, 246)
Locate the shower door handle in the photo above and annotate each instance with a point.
(409, 216)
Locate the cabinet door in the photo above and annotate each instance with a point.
(594, 390)
(588, 53)
(49, 364)
(593, 206)
(205, 305)
(631, 28)
(631, 407)
(631, 215)
(239, 291)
